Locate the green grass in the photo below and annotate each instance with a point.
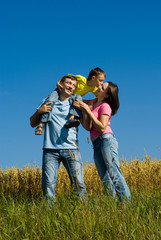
(69, 218)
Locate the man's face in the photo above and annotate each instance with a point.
(68, 86)
(99, 80)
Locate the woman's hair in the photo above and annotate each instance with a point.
(113, 99)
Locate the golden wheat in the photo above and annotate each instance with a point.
(140, 175)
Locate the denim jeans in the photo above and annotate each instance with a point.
(71, 159)
(53, 97)
(107, 163)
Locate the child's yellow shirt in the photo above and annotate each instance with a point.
(82, 87)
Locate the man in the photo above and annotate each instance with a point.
(60, 143)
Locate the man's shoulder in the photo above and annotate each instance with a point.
(74, 96)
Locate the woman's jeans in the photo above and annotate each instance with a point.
(53, 97)
(107, 163)
(72, 162)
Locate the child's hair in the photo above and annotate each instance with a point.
(95, 72)
(68, 76)
(113, 99)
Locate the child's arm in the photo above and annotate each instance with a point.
(59, 86)
(94, 93)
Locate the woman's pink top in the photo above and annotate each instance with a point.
(103, 108)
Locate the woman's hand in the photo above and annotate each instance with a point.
(85, 120)
(76, 104)
(81, 105)
(85, 107)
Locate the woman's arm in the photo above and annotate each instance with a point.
(85, 120)
(100, 124)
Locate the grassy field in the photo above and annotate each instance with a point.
(24, 213)
(98, 218)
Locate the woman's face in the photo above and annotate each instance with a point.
(102, 90)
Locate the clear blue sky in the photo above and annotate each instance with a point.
(40, 41)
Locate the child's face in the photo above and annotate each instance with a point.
(97, 81)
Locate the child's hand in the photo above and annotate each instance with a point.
(59, 86)
(45, 108)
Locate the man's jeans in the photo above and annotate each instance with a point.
(72, 162)
(107, 163)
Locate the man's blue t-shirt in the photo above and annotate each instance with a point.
(56, 135)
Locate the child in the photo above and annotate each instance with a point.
(84, 86)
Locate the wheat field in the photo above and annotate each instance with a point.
(143, 175)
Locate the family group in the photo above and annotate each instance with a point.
(59, 117)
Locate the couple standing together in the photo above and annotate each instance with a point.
(61, 114)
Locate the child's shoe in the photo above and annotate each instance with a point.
(39, 130)
(72, 123)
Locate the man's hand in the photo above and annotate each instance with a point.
(35, 118)
(45, 108)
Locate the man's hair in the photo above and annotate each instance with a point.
(95, 72)
(69, 77)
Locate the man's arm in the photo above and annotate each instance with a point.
(35, 118)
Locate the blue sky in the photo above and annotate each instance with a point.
(43, 40)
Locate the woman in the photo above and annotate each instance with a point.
(105, 145)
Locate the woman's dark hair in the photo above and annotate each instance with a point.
(113, 99)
